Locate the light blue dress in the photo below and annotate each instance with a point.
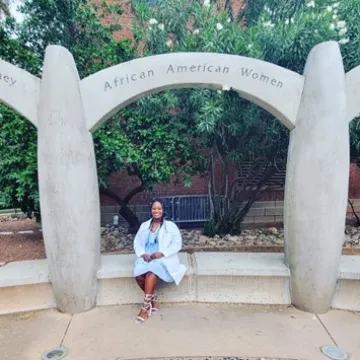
(155, 266)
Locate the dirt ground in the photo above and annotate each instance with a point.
(17, 247)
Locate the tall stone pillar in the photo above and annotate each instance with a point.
(69, 196)
(317, 182)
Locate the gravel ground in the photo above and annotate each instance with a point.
(16, 247)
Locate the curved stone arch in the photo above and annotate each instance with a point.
(320, 103)
(20, 90)
(272, 87)
(353, 93)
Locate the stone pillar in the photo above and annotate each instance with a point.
(69, 196)
(317, 182)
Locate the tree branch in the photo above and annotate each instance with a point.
(354, 213)
(113, 196)
(132, 193)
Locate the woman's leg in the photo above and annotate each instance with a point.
(150, 283)
(141, 281)
(150, 286)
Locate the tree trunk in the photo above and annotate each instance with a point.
(125, 211)
(354, 213)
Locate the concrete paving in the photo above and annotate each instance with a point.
(181, 330)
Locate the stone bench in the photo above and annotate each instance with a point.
(252, 278)
(347, 296)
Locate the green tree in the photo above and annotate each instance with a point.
(231, 129)
(151, 148)
(75, 25)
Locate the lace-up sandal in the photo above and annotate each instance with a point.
(146, 306)
(154, 309)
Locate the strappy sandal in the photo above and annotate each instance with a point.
(154, 309)
(146, 307)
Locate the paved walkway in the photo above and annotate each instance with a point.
(188, 330)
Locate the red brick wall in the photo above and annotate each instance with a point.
(122, 184)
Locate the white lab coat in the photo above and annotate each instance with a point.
(170, 244)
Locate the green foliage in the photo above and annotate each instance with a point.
(151, 145)
(181, 132)
(150, 142)
(209, 228)
(75, 25)
(231, 129)
(18, 169)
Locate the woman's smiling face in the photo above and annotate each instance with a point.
(157, 210)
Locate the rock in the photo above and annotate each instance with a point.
(240, 239)
(120, 240)
(273, 230)
(203, 240)
(119, 246)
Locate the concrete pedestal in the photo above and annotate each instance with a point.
(317, 182)
(68, 185)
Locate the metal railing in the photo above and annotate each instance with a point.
(187, 208)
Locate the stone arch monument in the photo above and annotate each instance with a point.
(317, 108)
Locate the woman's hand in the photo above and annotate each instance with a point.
(157, 255)
(147, 257)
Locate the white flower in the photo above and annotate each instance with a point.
(153, 21)
(267, 9)
(292, 20)
(341, 24)
(169, 43)
(335, 17)
(206, 3)
(344, 41)
(343, 31)
(219, 26)
(228, 20)
(226, 88)
(329, 8)
(249, 46)
(332, 27)
(336, 5)
(311, 4)
(219, 91)
(196, 31)
(268, 24)
(161, 27)
(287, 21)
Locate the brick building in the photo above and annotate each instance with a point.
(269, 209)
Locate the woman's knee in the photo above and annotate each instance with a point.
(150, 275)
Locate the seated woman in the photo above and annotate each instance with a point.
(156, 245)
